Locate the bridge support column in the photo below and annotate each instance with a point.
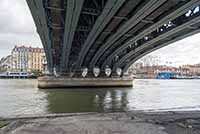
(46, 82)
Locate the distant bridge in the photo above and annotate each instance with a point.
(102, 38)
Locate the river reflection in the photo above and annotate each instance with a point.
(82, 100)
(19, 97)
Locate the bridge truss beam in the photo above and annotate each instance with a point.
(109, 11)
(38, 13)
(126, 64)
(72, 16)
(171, 34)
(149, 7)
(174, 14)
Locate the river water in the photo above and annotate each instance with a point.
(19, 97)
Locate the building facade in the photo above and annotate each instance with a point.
(6, 63)
(27, 59)
(152, 71)
(36, 59)
(20, 57)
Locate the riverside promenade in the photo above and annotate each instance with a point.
(105, 123)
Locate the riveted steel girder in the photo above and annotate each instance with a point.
(110, 9)
(38, 13)
(153, 27)
(148, 8)
(153, 41)
(72, 16)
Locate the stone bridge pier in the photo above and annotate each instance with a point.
(85, 78)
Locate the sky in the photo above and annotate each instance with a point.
(17, 28)
(182, 52)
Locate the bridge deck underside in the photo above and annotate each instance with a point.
(113, 34)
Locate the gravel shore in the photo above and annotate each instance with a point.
(105, 123)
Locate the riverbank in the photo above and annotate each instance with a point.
(3, 124)
(105, 123)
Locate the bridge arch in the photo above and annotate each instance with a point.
(173, 35)
(98, 27)
(149, 7)
(126, 64)
(109, 33)
(154, 27)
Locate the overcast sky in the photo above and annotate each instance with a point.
(17, 28)
(186, 51)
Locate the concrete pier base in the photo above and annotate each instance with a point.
(64, 82)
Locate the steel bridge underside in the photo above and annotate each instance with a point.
(113, 34)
